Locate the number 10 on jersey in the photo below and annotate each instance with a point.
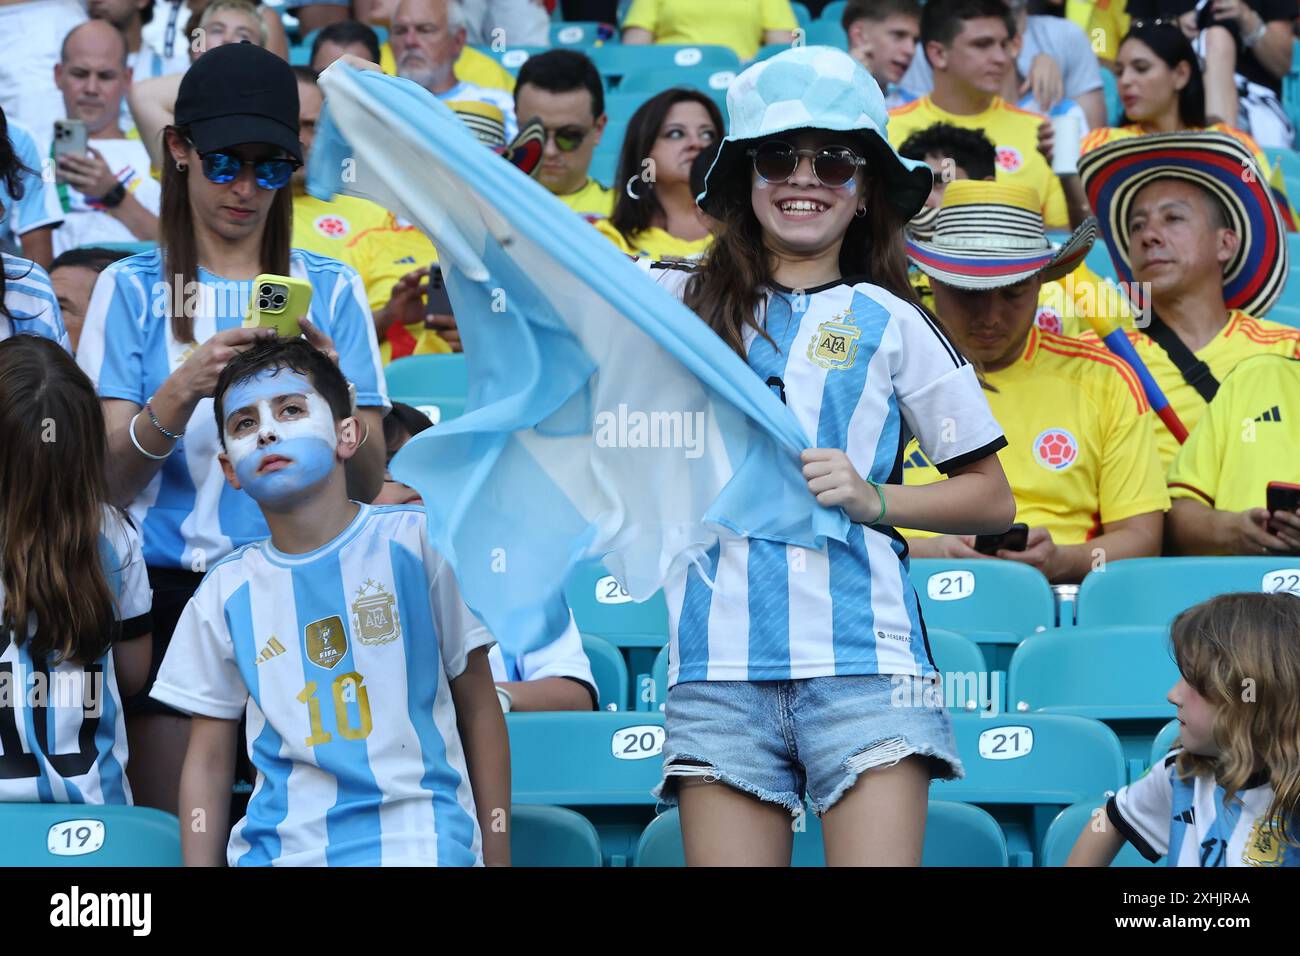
(345, 686)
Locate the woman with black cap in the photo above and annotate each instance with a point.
(161, 326)
(798, 675)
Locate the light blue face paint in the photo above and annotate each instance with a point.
(306, 442)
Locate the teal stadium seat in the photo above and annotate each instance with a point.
(1110, 90)
(575, 33)
(619, 107)
(1152, 591)
(1163, 743)
(601, 606)
(994, 603)
(823, 32)
(1023, 768)
(609, 669)
(617, 61)
(1065, 830)
(512, 57)
(435, 384)
(956, 834)
(1118, 675)
(84, 835)
(657, 695)
(552, 836)
(706, 80)
(135, 248)
(803, 16)
(1291, 87)
(604, 164)
(834, 12)
(769, 50)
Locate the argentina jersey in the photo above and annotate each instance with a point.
(1188, 823)
(190, 517)
(861, 370)
(32, 307)
(62, 733)
(341, 659)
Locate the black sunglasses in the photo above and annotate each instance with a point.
(775, 162)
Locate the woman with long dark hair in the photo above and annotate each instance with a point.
(655, 215)
(1162, 89)
(76, 597)
(798, 674)
(161, 326)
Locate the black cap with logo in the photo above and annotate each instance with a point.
(240, 93)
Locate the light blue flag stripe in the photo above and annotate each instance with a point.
(560, 332)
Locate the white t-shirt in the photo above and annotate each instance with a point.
(62, 734)
(863, 371)
(1186, 821)
(86, 222)
(165, 36)
(342, 660)
(563, 657)
(31, 38)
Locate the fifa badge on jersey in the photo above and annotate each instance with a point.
(326, 640)
(1263, 848)
(836, 343)
(374, 614)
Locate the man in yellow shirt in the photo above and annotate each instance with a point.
(562, 88)
(1081, 450)
(320, 226)
(1195, 234)
(743, 25)
(966, 44)
(1247, 438)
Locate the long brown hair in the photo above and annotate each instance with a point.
(631, 216)
(1241, 652)
(729, 285)
(180, 248)
(53, 493)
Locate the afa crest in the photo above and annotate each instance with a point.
(374, 614)
(835, 346)
(1263, 847)
(326, 641)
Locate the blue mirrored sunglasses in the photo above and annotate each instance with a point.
(222, 168)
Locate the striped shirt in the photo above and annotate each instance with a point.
(62, 735)
(862, 371)
(190, 516)
(341, 659)
(39, 205)
(1186, 821)
(31, 303)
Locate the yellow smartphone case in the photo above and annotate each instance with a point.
(277, 303)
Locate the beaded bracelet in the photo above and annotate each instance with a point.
(130, 430)
(881, 492)
(148, 407)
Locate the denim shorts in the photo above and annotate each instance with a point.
(782, 741)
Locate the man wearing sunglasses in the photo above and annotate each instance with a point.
(562, 88)
(106, 193)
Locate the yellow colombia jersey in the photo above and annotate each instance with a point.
(1240, 338)
(1081, 446)
(382, 255)
(1063, 304)
(1104, 21)
(1014, 133)
(739, 24)
(1249, 436)
(328, 227)
(472, 66)
(652, 243)
(592, 199)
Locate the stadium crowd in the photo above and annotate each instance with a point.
(1105, 213)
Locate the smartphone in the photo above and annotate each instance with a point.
(1282, 496)
(439, 303)
(70, 139)
(278, 302)
(1013, 539)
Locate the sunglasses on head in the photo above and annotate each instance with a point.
(221, 168)
(568, 138)
(776, 161)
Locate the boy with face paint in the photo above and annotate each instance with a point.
(343, 639)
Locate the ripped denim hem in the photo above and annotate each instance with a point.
(691, 765)
(886, 753)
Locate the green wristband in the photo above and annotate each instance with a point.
(881, 492)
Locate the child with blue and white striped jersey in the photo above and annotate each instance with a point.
(76, 597)
(373, 723)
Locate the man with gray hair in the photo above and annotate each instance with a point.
(427, 37)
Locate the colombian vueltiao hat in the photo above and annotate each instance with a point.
(814, 87)
(1115, 173)
(988, 235)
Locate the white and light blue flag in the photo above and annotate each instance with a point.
(604, 419)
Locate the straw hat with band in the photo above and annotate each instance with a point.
(1115, 173)
(988, 235)
(812, 87)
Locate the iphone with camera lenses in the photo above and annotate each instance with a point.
(70, 139)
(278, 302)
